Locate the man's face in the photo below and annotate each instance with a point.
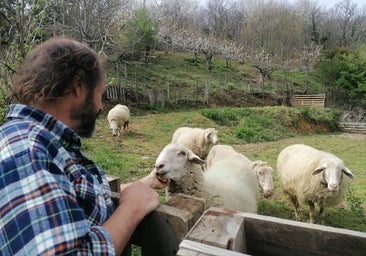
(87, 113)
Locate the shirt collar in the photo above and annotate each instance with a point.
(69, 139)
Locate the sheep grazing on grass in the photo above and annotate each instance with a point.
(312, 176)
(235, 188)
(262, 170)
(198, 140)
(118, 116)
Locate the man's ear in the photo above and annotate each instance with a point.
(77, 87)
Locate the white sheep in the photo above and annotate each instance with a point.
(198, 140)
(262, 170)
(219, 152)
(236, 188)
(264, 175)
(118, 116)
(312, 176)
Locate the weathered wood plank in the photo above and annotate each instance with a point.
(271, 236)
(195, 206)
(114, 183)
(220, 228)
(192, 248)
(182, 212)
(278, 237)
(156, 235)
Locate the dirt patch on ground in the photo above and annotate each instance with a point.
(304, 126)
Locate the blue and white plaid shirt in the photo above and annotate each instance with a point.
(53, 198)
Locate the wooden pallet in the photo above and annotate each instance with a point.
(353, 127)
(314, 100)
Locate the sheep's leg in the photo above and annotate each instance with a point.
(125, 125)
(295, 203)
(320, 216)
(312, 212)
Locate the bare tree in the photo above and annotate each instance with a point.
(88, 21)
(308, 57)
(349, 22)
(172, 16)
(264, 62)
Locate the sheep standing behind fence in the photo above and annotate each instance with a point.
(311, 176)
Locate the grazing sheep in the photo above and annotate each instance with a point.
(235, 188)
(262, 169)
(312, 176)
(198, 140)
(118, 116)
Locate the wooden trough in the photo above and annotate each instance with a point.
(182, 226)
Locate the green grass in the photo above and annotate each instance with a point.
(259, 133)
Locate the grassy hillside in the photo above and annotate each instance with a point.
(184, 80)
(260, 133)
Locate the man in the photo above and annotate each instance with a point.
(54, 200)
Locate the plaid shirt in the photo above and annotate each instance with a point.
(53, 198)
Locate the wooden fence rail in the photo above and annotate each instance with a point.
(313, 100)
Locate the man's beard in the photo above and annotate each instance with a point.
(86, 115)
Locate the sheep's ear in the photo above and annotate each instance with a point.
(195, 159)
(257, 163)
(318, 170)
(348, 172)
(208, 134)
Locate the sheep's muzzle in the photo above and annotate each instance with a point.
(161, 177)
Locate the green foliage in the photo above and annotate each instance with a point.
(344, 68)
(223, 116)
(320, 115)
(355, 203)
(144, 35)
(268, 123)
(257, 128)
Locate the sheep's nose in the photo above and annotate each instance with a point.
(159, 166)
(268, 193)
(333, 187)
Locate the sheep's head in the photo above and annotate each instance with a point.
(332, 174)
(264, 176)
(172, 159)
(116, 131)
(113, 126)
(211, 136)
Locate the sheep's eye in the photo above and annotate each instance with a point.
(181, 153)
